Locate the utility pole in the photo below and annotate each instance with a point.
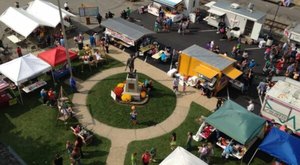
(65, 38)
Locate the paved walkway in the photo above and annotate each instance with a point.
(119, 142)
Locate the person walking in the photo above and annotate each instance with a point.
(78, 144)
(19, 52)
(175, 84)
(92, 41)
(133, 158)
(73, 85)
(99, 18)
(189, 141)
(173, 143)
(146, 158)
(133, 115)
(106, 45)
(43, 94)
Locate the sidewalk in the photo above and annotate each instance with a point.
(119, 142)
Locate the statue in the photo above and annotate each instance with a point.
(130, 63)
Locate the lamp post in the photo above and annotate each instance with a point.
(65, 38)
(271, 27)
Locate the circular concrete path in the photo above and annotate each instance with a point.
(120, 138)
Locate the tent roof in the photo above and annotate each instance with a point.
(56, 56)
(20, 21)
(130, 30)
(236, 122)
(282, 146)
(182, 157)
(24, 68)
(209, 57)
(47, 12)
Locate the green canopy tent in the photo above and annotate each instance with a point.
(236, 122)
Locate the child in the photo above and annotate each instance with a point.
(133, 115)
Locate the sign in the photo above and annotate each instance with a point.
(119, 36)
(113, 95)
(88, 11)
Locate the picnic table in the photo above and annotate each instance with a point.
(157, 55)
(145, 48)
(237, 155)
(34, 86)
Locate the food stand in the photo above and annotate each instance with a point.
(174, 9)
(248, 21)
(206, 67)
(241, 127)
(123, 32)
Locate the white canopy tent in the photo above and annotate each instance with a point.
(23, 69)
(47, 12)
(182, 157)
(20, 21)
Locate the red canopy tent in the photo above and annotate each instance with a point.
(56, 55)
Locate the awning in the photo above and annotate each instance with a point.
(205, 71)
(216, 12)
(232, 72)
(170, 3)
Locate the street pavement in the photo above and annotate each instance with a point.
(120, 138)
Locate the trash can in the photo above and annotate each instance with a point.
(88, 20)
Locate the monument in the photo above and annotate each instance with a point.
(132, 84)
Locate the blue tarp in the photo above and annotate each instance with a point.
(283, 146)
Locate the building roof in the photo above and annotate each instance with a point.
(208, 57)
(130, 30)
(254, 16)
(296, 29)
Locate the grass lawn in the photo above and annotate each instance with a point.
(32, 129)
(163, 147)
(161, 104)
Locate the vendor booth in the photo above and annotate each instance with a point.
(123, 32)
(38, 13)
(7, 98)
(174, 9)
(23, 69)
(292, 32)
(239, 20)
(182, 157)
(282, 146)
(206, 69)
(241, 126)
(57, 56)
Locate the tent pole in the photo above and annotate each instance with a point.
(228, 97)
(53, 77)
(252, 156)
(20, 95)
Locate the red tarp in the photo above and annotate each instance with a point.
(56, 56)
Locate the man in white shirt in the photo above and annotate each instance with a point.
(250, 107)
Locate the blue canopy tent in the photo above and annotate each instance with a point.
(282, 146)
